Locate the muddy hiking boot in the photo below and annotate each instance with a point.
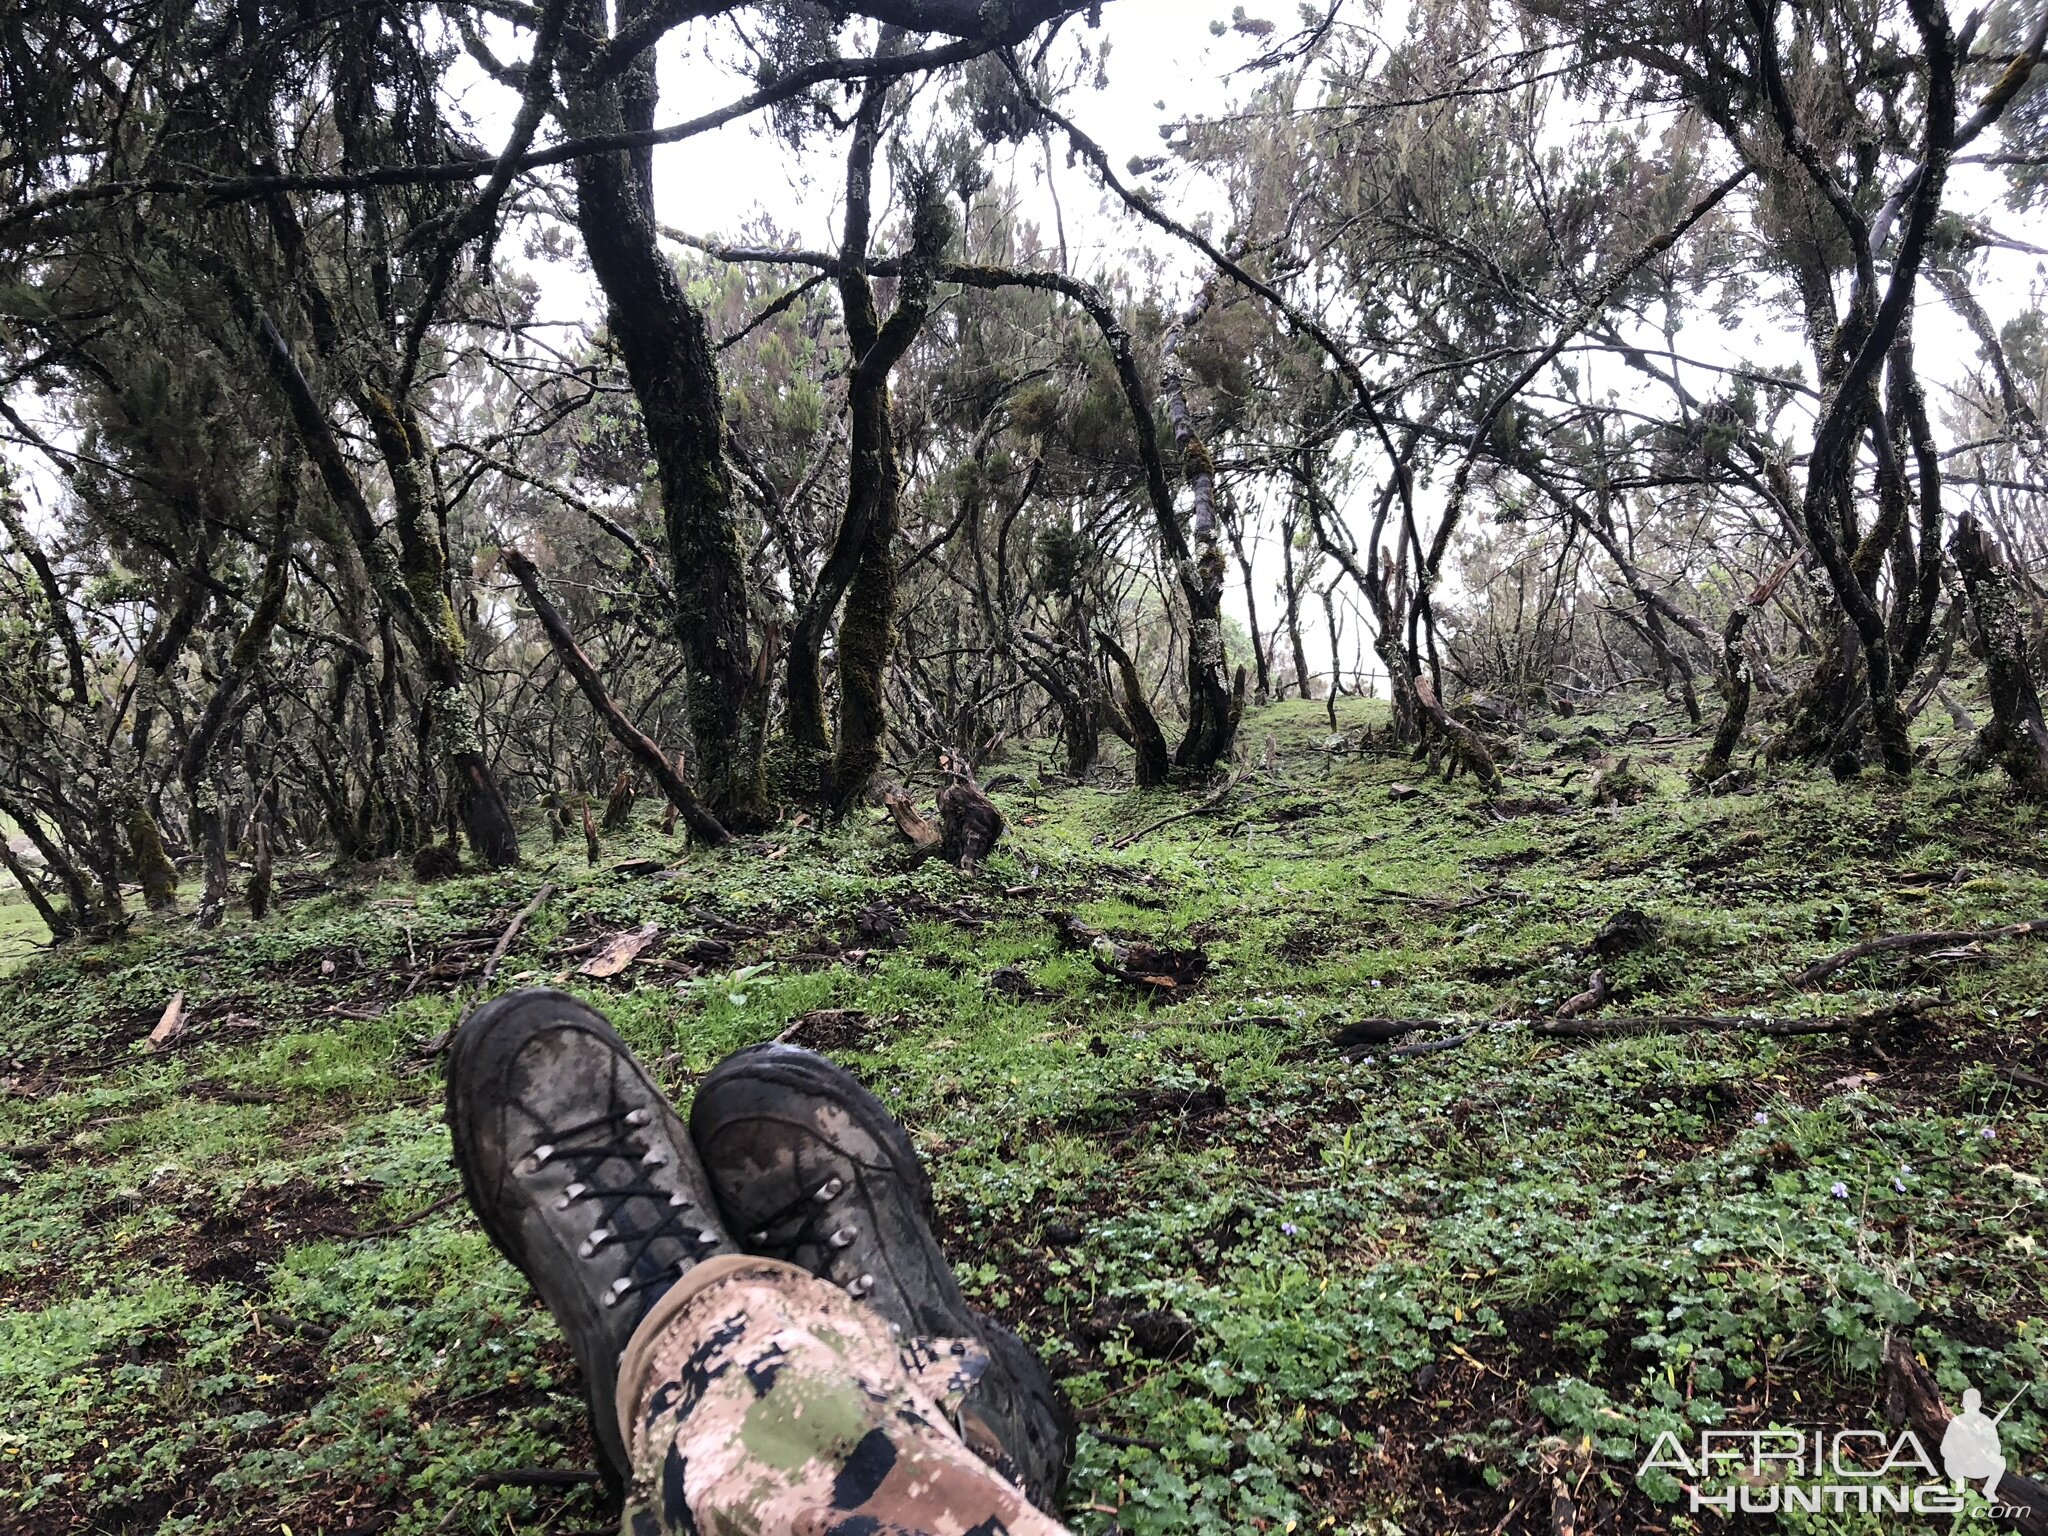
(582, 1174)
(810, 1168)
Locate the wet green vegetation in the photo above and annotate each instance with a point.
(1288, 1284)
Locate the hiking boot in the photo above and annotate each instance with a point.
(810, 1168)
(581, 1173)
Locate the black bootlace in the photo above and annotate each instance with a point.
(807, 1222)
(617, 1144)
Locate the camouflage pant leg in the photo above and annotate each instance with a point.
(758, 1400)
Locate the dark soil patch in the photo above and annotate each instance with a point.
(835, 1029)
(1430, 1452)
(334, 964)
(1916, 1065)
(236, 1245)
(1132, 1112)
(1291, 811)
(1311, 942)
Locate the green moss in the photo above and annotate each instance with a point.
(153, 867)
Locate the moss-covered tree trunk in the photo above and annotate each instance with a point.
(861, 565)
(1152, 760)
(153, 866)
(449, 720)
(416, 587)
(86, 910)
(55, 919)
(1215, 703)
(1290, 588)
(1872, 335)
(1262, 688)
(207, 819)
(666, 348)
(2016, 739)
(867, 624)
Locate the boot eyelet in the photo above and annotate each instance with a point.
(531, 1163)
(861, 1286)
(844, 1237)
(829, 1190)
(654, 1157)
(597, 1239)
(678, 1199)
(639, 1117)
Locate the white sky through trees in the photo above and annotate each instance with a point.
(1163, 61)
(1166, 61)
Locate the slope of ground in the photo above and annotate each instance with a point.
(1288, 1285)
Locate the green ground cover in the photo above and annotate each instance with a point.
(1288, 1286)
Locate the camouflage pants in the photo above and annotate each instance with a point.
(758, 1400)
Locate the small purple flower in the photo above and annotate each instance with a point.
(1839, 1190)
(1761, 1118)
(1289, 1228)
(1899, 1185)
(1987, 1134)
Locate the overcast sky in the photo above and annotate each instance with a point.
(1159, 51)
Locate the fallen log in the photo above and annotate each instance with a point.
(1142, 964)
(910, 821)
(1431, 1047)
(1686, 1023)
(1360, 1035)
(636, 741)
(498, 950)
(535, 1477)
(1208, 804)
(1376, 1031)
(1894, 943)
(726, 926)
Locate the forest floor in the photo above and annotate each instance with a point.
(1288, 1286)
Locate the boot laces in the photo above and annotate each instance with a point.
(808, 1222)
(595, 1150)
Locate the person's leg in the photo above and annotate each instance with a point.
(759, 1399)
(777, 1398)
(809, 1167)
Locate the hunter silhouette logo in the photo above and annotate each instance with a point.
(1970, 1451)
